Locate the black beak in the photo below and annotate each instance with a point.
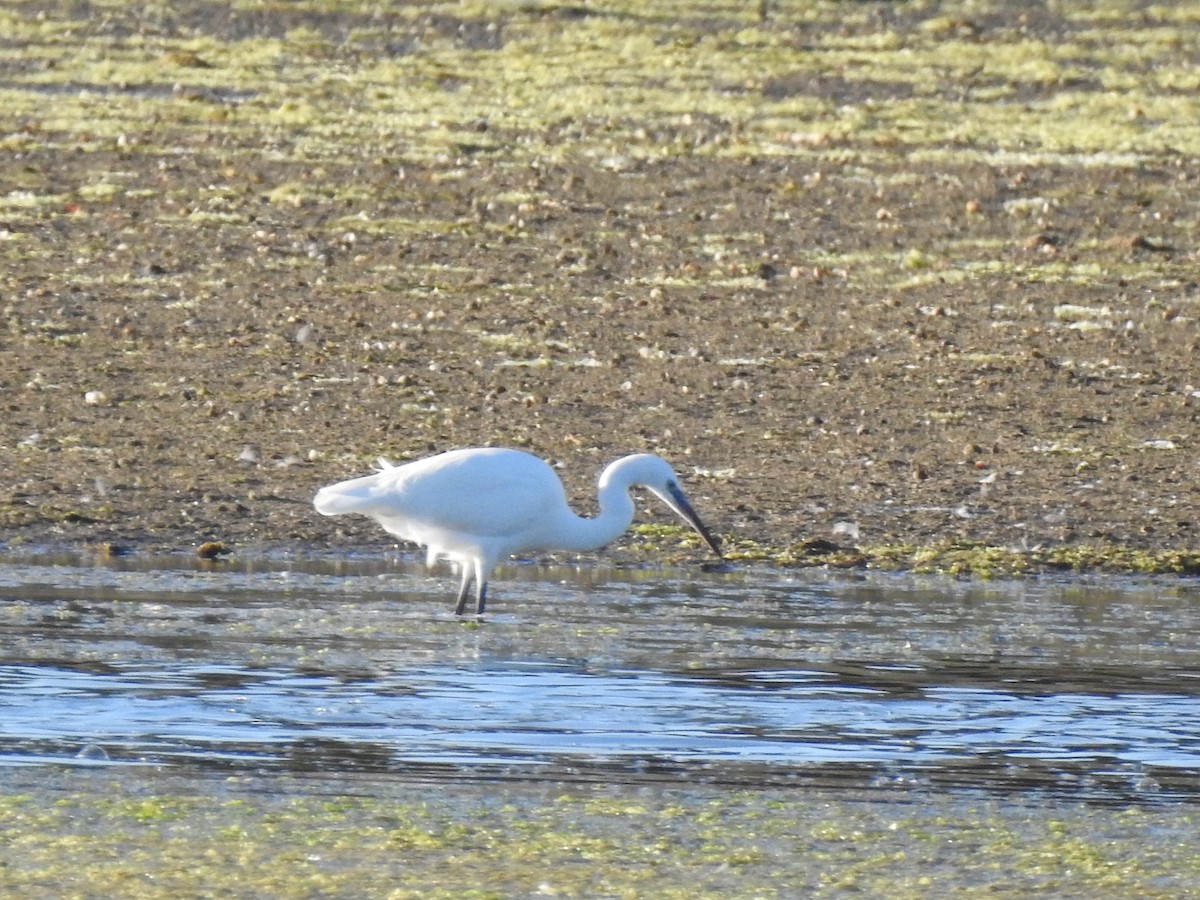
(678, 502)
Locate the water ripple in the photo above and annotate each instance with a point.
(748, 678)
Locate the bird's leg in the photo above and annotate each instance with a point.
(464, 590)
(480, 597)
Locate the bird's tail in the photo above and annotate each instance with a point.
(358, 495)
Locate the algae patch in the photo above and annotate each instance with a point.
(149, 836)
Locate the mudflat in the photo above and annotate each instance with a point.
(892, 284)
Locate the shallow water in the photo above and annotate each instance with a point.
(313, 666)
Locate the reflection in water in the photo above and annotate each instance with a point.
(750, 677)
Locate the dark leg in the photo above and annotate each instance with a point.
(463, 591)
(481, 598)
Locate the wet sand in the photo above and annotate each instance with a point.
(895, 280)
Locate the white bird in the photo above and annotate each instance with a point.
(481, 505)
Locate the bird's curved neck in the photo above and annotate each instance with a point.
(616, 512)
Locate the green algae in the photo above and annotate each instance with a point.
(147, 836)
(627, 68)
(960, 558)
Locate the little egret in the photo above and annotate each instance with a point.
(479, 506)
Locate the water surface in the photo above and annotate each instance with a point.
(745, 677)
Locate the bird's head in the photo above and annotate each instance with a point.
(656, 475)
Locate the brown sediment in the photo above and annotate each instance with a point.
(907, 284)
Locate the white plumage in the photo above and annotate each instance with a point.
(479, 506)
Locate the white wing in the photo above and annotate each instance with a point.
(480, 493)
(453, 498)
